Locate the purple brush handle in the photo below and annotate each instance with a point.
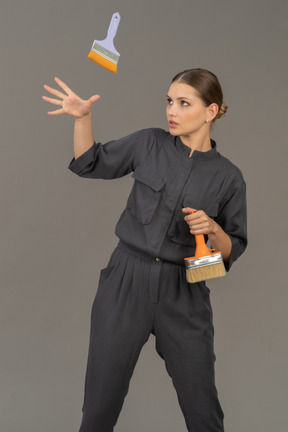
(112, 30)
(113, 27)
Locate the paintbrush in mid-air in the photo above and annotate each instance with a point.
(104, 52)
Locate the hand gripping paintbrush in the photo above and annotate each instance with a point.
(206, 264)
(104, 52)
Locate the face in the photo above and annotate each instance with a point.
(186, 112)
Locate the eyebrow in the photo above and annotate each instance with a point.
(182, 97)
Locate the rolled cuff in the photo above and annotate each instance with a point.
(238, 248)
(77, 165)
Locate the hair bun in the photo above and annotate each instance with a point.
(222, 111)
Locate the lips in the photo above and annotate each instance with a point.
(172, 123)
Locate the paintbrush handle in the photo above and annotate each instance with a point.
(201, 248)
(113, 27)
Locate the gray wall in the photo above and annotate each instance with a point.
(57, 229)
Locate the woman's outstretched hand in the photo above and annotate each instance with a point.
(70, 103)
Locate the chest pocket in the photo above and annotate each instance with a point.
(179, 230)
(145, 194)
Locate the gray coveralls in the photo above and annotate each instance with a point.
(143, 289)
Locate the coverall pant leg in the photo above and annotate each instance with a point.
(138, 295)
(184, 334)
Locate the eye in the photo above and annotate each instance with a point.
(184, 103)
(169, 101)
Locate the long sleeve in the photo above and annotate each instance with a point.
(115, 158)
(233, 219)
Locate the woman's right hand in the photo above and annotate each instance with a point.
(70, 103)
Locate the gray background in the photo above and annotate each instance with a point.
(57, 230)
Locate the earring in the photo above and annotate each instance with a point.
(207, 121)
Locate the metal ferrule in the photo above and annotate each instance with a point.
(104, 52)
(194, 263)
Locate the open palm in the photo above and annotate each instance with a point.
(70, 103)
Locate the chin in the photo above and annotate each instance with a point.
(173, 132)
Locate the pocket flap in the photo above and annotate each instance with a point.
(149, 178)
(210, 208)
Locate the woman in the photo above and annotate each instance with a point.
(143, 289)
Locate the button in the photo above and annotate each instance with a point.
(158, 259)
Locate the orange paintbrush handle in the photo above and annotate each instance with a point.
(201, 248)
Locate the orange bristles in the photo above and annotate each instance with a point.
(102, 61)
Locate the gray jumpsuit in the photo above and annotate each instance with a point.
(143, 289)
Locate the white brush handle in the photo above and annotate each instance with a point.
(113, 27)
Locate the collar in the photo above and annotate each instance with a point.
(197, 155)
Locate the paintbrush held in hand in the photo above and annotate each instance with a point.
(104, 52)
(206, 264)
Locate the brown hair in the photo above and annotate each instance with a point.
(207, 86)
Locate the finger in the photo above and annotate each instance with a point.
(195, 232)
(199, 227)
(193, 217)
(94, 98)
(63, 85)
(188, 210)
(53, 101)
(197, 216)
(56, 112)
(55, 92)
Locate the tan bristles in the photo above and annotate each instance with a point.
(207, 272)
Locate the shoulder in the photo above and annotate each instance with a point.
(159, 136)
(142, 136)
(139, 140)
(232, 171)
(146, 142)
(156, 133)
(151, 138)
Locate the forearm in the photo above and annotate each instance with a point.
(220, 241)
(83, 138)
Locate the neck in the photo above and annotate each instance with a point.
(200, 142)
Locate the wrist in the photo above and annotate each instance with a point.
(215, 228)
(84, 118)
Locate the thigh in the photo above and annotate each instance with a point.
(184, 317)
(184, 339)
(121, 307)
(121, 323)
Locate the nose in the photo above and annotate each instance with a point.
(172, 110)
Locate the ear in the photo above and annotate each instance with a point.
(212, 111)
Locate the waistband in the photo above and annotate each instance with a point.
(141, 254)
(136, 252)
